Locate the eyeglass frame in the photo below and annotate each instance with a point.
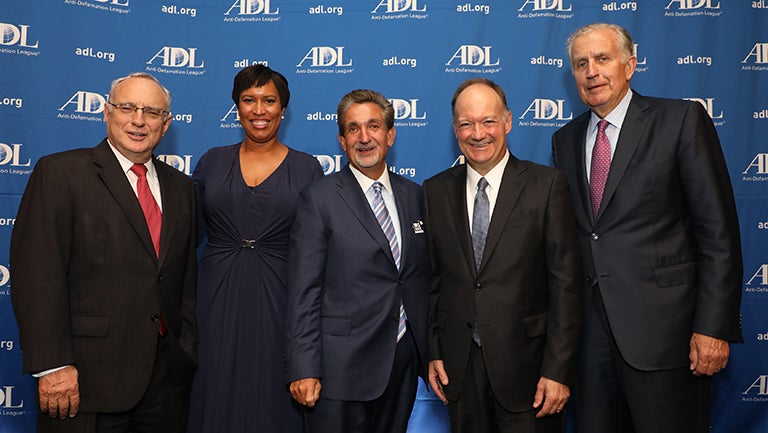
(164, 114)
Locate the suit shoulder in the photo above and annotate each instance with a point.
(405, 183)
(172, 173)
(325, 183)
(537, 169)
(68, 159)
(445, 175)
(577, 123)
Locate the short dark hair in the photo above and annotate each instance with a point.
(362, 96)
(472, 81)
(257, 76)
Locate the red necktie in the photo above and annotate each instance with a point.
(601, 164)
(148, 205)
(153, 216)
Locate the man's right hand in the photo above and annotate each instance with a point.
(306, 391)
(438, 378)
(59, 393)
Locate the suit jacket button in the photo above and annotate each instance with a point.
(594, 236)
(155, 318)
(159, 278)
(477, 286)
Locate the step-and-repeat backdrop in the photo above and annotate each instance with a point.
(58, 57)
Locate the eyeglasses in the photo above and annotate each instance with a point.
(151, 112)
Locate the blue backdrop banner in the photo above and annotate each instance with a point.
(58, 57)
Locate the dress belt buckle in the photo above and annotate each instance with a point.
(249, 243)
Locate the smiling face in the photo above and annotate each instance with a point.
(260, 113)
(481, 125)
(366, 138)
(602, 71)
(135, 134)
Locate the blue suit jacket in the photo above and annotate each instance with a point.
(344, 289)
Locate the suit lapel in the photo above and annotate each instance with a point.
(632, 130)
(171, 205)
(512, 183)
(580, 144)
(403, 213)
(351, 193)
(114, 178)
(456, 194)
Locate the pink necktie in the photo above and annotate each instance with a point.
(601, 163)
(148, 204)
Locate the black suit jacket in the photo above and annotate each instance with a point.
(87, 286)
(665, 243)
(344, 289)
(527, 293)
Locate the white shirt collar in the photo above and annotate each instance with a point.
(616, 116)
(126, 164)
(365, 182)
(493, 176)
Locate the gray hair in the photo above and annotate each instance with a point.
(363, 96)
(166, 92)
(623, 39)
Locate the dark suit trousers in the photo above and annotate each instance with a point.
(613, 397)
(477, 410)
(163, 409)
(387, 414)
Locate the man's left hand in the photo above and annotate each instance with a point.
(708, 355)
(551, 396)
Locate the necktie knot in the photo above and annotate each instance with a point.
(139, 170)
(481, 185)
(602, 125)
(377, 188)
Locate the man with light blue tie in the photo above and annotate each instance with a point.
(358, 284)
(506, 300)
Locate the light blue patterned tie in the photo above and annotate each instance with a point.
(480, 220)
(382, 216)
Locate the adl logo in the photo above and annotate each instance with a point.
(183, 163)
(175, 57)
(10, 154)
(252, 7)
(760, 53)
(547, 109)
(407, 109)
(86, 102)
(13, 35)
(325, 57)
(6, 398)
(546, 5)
(395, 6)
(472, 55)
(693, 4)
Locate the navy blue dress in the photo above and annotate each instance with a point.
(240, 385)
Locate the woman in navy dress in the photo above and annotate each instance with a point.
(247, 196)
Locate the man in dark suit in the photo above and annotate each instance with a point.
(660, 240)
(105, 308)
(358, 268)
(506, 283)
